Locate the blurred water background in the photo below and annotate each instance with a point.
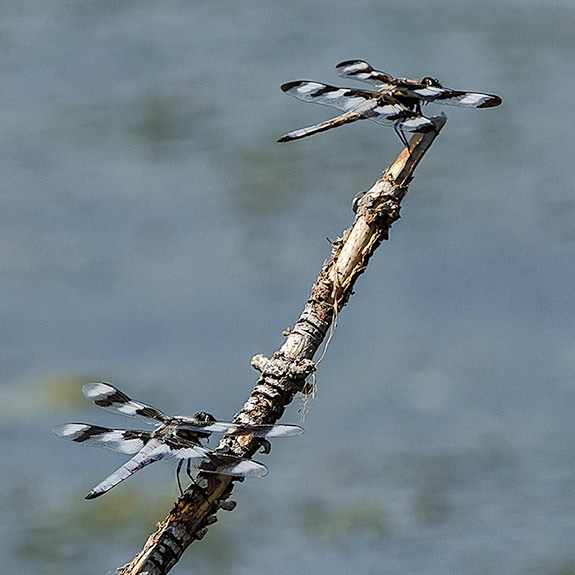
(154, 235)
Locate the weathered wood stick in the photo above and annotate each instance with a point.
(287, 372)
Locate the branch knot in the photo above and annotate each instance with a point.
(283, 367)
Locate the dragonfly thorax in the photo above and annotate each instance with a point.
(175, 432)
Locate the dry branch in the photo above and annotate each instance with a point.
(287, 372)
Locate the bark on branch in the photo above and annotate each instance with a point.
(287, 372)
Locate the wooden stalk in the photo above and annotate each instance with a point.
(287, 372)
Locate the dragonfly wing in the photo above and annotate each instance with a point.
(112, 399)
(362, 71)
(468, 99)
(200, 458)
(441, 95)
(263, 430)
(401, 118)
(344, 99)
(229, 465)
(203, 459)
(121, 440)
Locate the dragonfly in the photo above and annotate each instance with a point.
(176, 440)
(396, 102)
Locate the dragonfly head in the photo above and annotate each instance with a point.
(429, 81)
(204, 417)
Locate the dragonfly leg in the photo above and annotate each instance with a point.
(193, 480)
(266, 446)
(401, 136)
(403, 139)
(178, 469)
(191, 477)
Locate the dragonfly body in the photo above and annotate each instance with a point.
(176, 440)
(396, 102)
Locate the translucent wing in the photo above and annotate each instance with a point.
(344, 99)
(109, 397)
(359, 105)
(148, 449)
(362, 71)
(428, 90)
(201, 458)
(121, 440)
(209, 426)
(401, 118)
(431, 91)
(466, 99)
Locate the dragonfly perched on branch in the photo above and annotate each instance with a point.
(176, 440)
(396, 102)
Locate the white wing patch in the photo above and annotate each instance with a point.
(109, 397)
(121, 440)
(176, 440)
(190, 424)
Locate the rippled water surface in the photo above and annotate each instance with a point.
(154, 235)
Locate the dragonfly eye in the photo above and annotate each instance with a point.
(429, 81)
(204, 417)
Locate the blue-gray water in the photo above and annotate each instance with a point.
(154, 235)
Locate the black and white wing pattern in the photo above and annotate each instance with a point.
(176, 440)
(148, 448)
(362, 71)
(128, 441)
(204, 423)
(125, 441)
(357, 105)
(409, 92)
(108, 397)
(200, 458)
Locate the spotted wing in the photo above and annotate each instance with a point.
(344, 99)
(358, 105)
(148, 449)
(428, 90)
(127, 441)
(441, 95)
(191, 424)
(362, 71)
(197, 457)
(401, 118)
(109, 397)
(200, 458)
